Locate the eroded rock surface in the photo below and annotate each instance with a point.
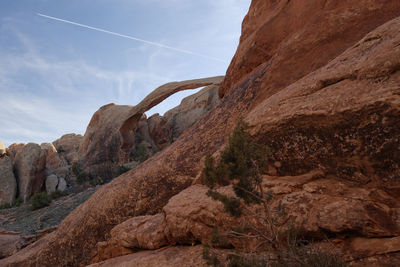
(67, 147)
(10, 243)
(29, 165)
(53, 160)
(166, 257)
(8, 184)
(144, 232)
(293, 38)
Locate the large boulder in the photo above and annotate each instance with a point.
(188, 218)
(53, 160)
(29, 165)
(51, 183)
(143, 232)
(13, 149)
(192, 214)
(67, 147)
(8, 188)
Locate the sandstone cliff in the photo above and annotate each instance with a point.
(319, 84)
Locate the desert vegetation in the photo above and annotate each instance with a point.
(271, 238)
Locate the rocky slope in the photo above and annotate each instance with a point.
(319, 84)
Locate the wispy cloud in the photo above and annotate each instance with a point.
(132, 38)
(43, 98)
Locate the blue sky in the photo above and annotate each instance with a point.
(54, 75)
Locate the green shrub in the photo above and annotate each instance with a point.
(241, 164)
(18, 201)
(95, 181)
(140, 154)
(81, 175)
(5, 206)
(231, 204)
(120, 170)
(40, 200)
(242, 161)
(56, 194)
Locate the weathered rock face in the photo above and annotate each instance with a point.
(10, 243)
(343, 116)
(29, 165)
(8, 188)
(101, 150)
(51, 183)
(294, 38)
(191, 215)
(101, 143)
(53, 160)
(67, 147)
(2, 149)
(13, 149)
(159, 132)
(190, 110)
(188, 218)
(144, 232)
(343, 125)
(170, 257)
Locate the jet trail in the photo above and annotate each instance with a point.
(132, 38)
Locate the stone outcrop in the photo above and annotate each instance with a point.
(53, 160)
(316, 204)
(190, 110)
(2, 149)
(293, 38)
(143, 232)
(10, 243)
(67, 147)
(101, 150)
(29, 165)
(338, 118)
(166, 257)
(191, 215)
(187, 219)
(8, 188)
(13, 149)
(51, 183)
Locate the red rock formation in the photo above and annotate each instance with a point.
(293, 38)
(101, 150)
(67, 146)
(165, 257)
(29, 165)
(8, 189)
(341, 119)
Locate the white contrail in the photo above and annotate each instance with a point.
(132, 38)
